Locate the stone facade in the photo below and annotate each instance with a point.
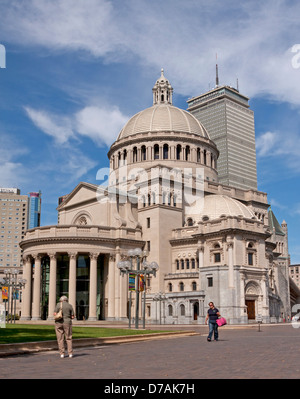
(212, 242)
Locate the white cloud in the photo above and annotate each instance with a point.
(253, 40)
(12, 174)
(60, 128)
(59, 25)
(266, 142)
(12, 171)
(100, 124)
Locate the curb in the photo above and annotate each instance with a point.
(44, 346)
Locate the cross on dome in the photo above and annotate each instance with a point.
(162, 90)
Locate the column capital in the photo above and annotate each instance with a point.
(229, 245)
(94, 255)
(26, 258)
(72, 255)
(37, 256)
(52, 255)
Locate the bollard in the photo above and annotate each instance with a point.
(259, 321)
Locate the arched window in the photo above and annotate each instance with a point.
(134, 154)
(177, 264)
(153, 198)
(166, 151)
(170, 310)
(178, 152)
(187, 263)
(170, 287)
(156, 151)
(193, 263)
(194, 286)
(169, 198)
(204, 156)
(190, 222)
(187, 153)
(182, 264)
(143, 152)
(181, 286)
(182, 310)
(198, 155)
(125, 156)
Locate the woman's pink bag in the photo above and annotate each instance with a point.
(221, 321)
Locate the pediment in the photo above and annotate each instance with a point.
(82, 193)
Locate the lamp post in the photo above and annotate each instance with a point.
(159, 297)
(14, 284)
(137, 265)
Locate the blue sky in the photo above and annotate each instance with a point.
(77, 70)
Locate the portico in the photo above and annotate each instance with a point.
(81, 267)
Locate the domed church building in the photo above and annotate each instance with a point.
(211, 242)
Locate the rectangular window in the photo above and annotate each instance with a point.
(250, 258)
(217, 257)
(209, 281)
(148, 223)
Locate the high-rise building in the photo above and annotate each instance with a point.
(14, 213)
(226, 115)
(34, 210)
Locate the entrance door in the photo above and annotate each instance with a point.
(250, 309)
(196, 310)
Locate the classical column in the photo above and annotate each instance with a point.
(230, 265)
(111, 287)
(242, 293)
(26, 306)
(123, 294)
(93, 287)
(36, 306)
(201, 262)
(52, 285)
(117, 286)
(72, 279)
(202, 156)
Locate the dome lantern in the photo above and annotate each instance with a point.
(162, 91)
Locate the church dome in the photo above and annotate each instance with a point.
(217, 206)
(163, 116)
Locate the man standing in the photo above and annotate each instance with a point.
(212, 315)
(63, 326)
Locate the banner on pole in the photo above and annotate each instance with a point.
(142, 282)
(131, 282)
(4, 293)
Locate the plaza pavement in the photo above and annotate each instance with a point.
(242, 352)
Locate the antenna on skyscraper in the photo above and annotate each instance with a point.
(217, 73)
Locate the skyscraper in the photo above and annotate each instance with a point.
(14, 211)
(34, 210)
(226, 115)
